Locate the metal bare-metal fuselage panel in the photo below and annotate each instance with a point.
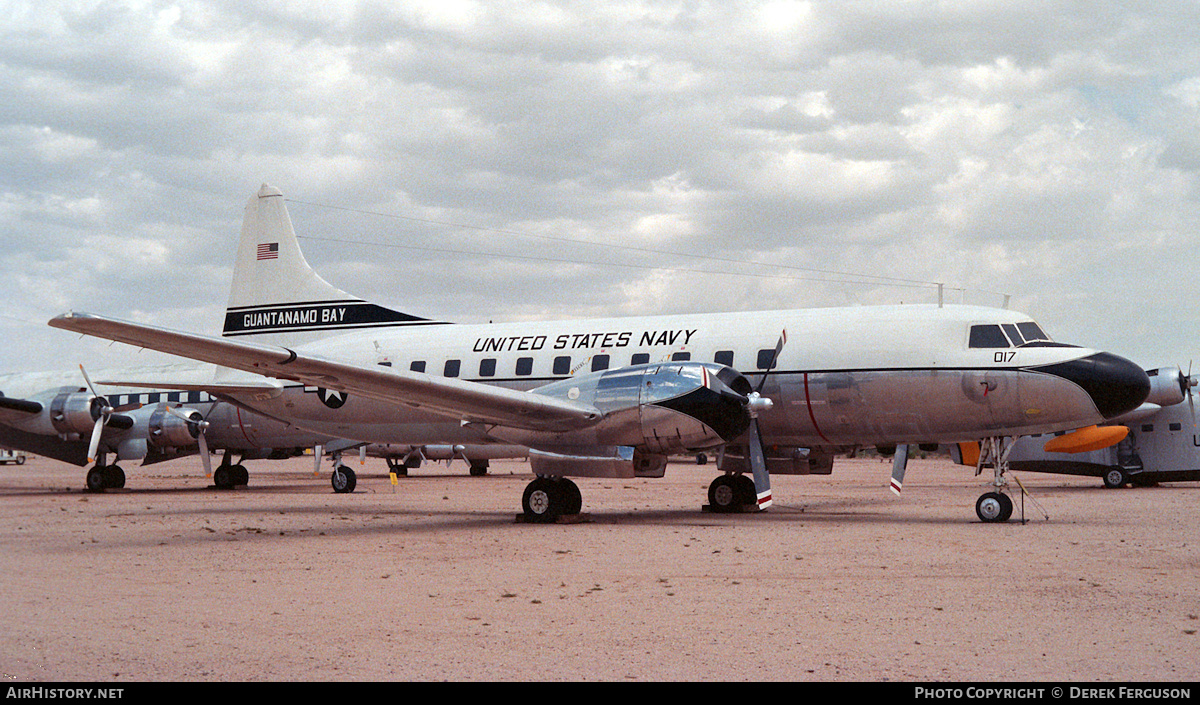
(881, 375)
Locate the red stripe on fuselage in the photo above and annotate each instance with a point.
(238, 410)
(811, 416)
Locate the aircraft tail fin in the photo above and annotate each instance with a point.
(277, 298)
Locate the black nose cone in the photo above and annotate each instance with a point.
(1116, 385)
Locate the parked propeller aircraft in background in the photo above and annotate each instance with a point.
(616, 397)
(1157, 442)
(56, 417)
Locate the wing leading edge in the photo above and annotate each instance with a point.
(461, 399)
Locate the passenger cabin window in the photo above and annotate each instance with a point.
(524, 366)
(766, 359)
(639, 358)
(417, 366)
(1147, 428)
(487, 367)
(724, 357)
(1175, 427)
(452, 368)
(599, 362)
(681, 357)
(988, 336)
(562, 365)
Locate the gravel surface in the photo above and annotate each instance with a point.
(433, 578)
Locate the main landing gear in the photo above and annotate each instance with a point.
(731, 493)
(104, 477)
(547, 499)
(226, 476)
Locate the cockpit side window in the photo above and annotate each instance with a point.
(987, 336)
(1031, 332)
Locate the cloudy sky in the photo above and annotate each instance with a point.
(494, 160)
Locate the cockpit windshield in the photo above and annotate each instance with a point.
(992, 335)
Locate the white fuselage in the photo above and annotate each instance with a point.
(846, 376)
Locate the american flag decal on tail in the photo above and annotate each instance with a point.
(269, 250)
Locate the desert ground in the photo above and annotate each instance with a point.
(432, 578)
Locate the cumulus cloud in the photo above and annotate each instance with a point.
(512, 160)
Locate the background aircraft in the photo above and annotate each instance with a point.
(54, 415)
(616, 397)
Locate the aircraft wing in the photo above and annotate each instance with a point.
(456, 398)
(13, 410)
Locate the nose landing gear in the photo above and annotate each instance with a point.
(994, 506)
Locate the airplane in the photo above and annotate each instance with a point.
(58, 418)
(1157, 442)
(616, 397)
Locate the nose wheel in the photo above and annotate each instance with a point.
(994, 507)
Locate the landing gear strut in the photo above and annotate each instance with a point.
(994, 506)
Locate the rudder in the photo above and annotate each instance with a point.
(277, 297)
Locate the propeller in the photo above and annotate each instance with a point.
(756, 403)
(1186, 382)
(102, 410)
(195, 418)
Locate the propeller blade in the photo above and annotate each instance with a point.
(1188, 383)
(774, 359)
(318, 451)
(88, 380)
(94, 444)
(205, 458)
(899, 466)
(758, 466)
(756, 403)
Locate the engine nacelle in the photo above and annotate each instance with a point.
(659, 408)
(75, 412)
(1168, 386)
(166, 430)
